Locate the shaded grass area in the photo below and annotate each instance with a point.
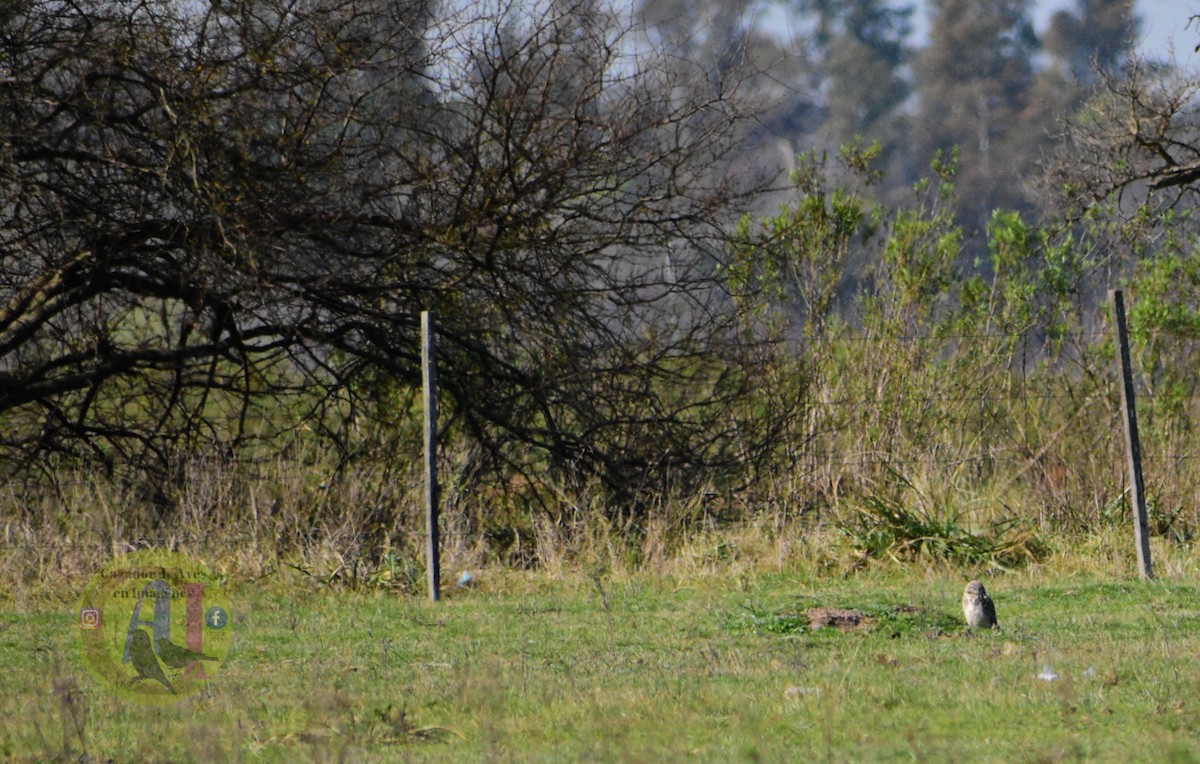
(638, 668)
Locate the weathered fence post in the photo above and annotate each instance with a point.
(429, 379)
(1133, 447)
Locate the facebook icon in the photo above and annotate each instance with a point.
(216, 618)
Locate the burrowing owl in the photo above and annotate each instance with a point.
(978, 607)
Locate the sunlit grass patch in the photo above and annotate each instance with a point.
(633, 667)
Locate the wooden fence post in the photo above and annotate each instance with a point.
(429, 380)
(1133, 447)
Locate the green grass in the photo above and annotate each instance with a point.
(645, 668)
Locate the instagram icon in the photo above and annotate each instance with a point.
(89, 618)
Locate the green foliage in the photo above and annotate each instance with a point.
(1167, 286)
(974, 374)
(790, 267)
(888, 528)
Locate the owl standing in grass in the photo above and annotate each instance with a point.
(978, 607)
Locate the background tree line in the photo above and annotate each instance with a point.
(221, 221)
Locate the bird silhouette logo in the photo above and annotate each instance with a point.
(145, 662)
(154, 626)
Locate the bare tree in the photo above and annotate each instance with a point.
(1129, 179)
(220, 223)
(1130, 156)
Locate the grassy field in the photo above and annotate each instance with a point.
(716, 665)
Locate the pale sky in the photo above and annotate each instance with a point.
(1163, 22)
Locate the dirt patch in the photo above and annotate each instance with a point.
(838, 618)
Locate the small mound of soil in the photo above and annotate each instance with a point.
(838, 618)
